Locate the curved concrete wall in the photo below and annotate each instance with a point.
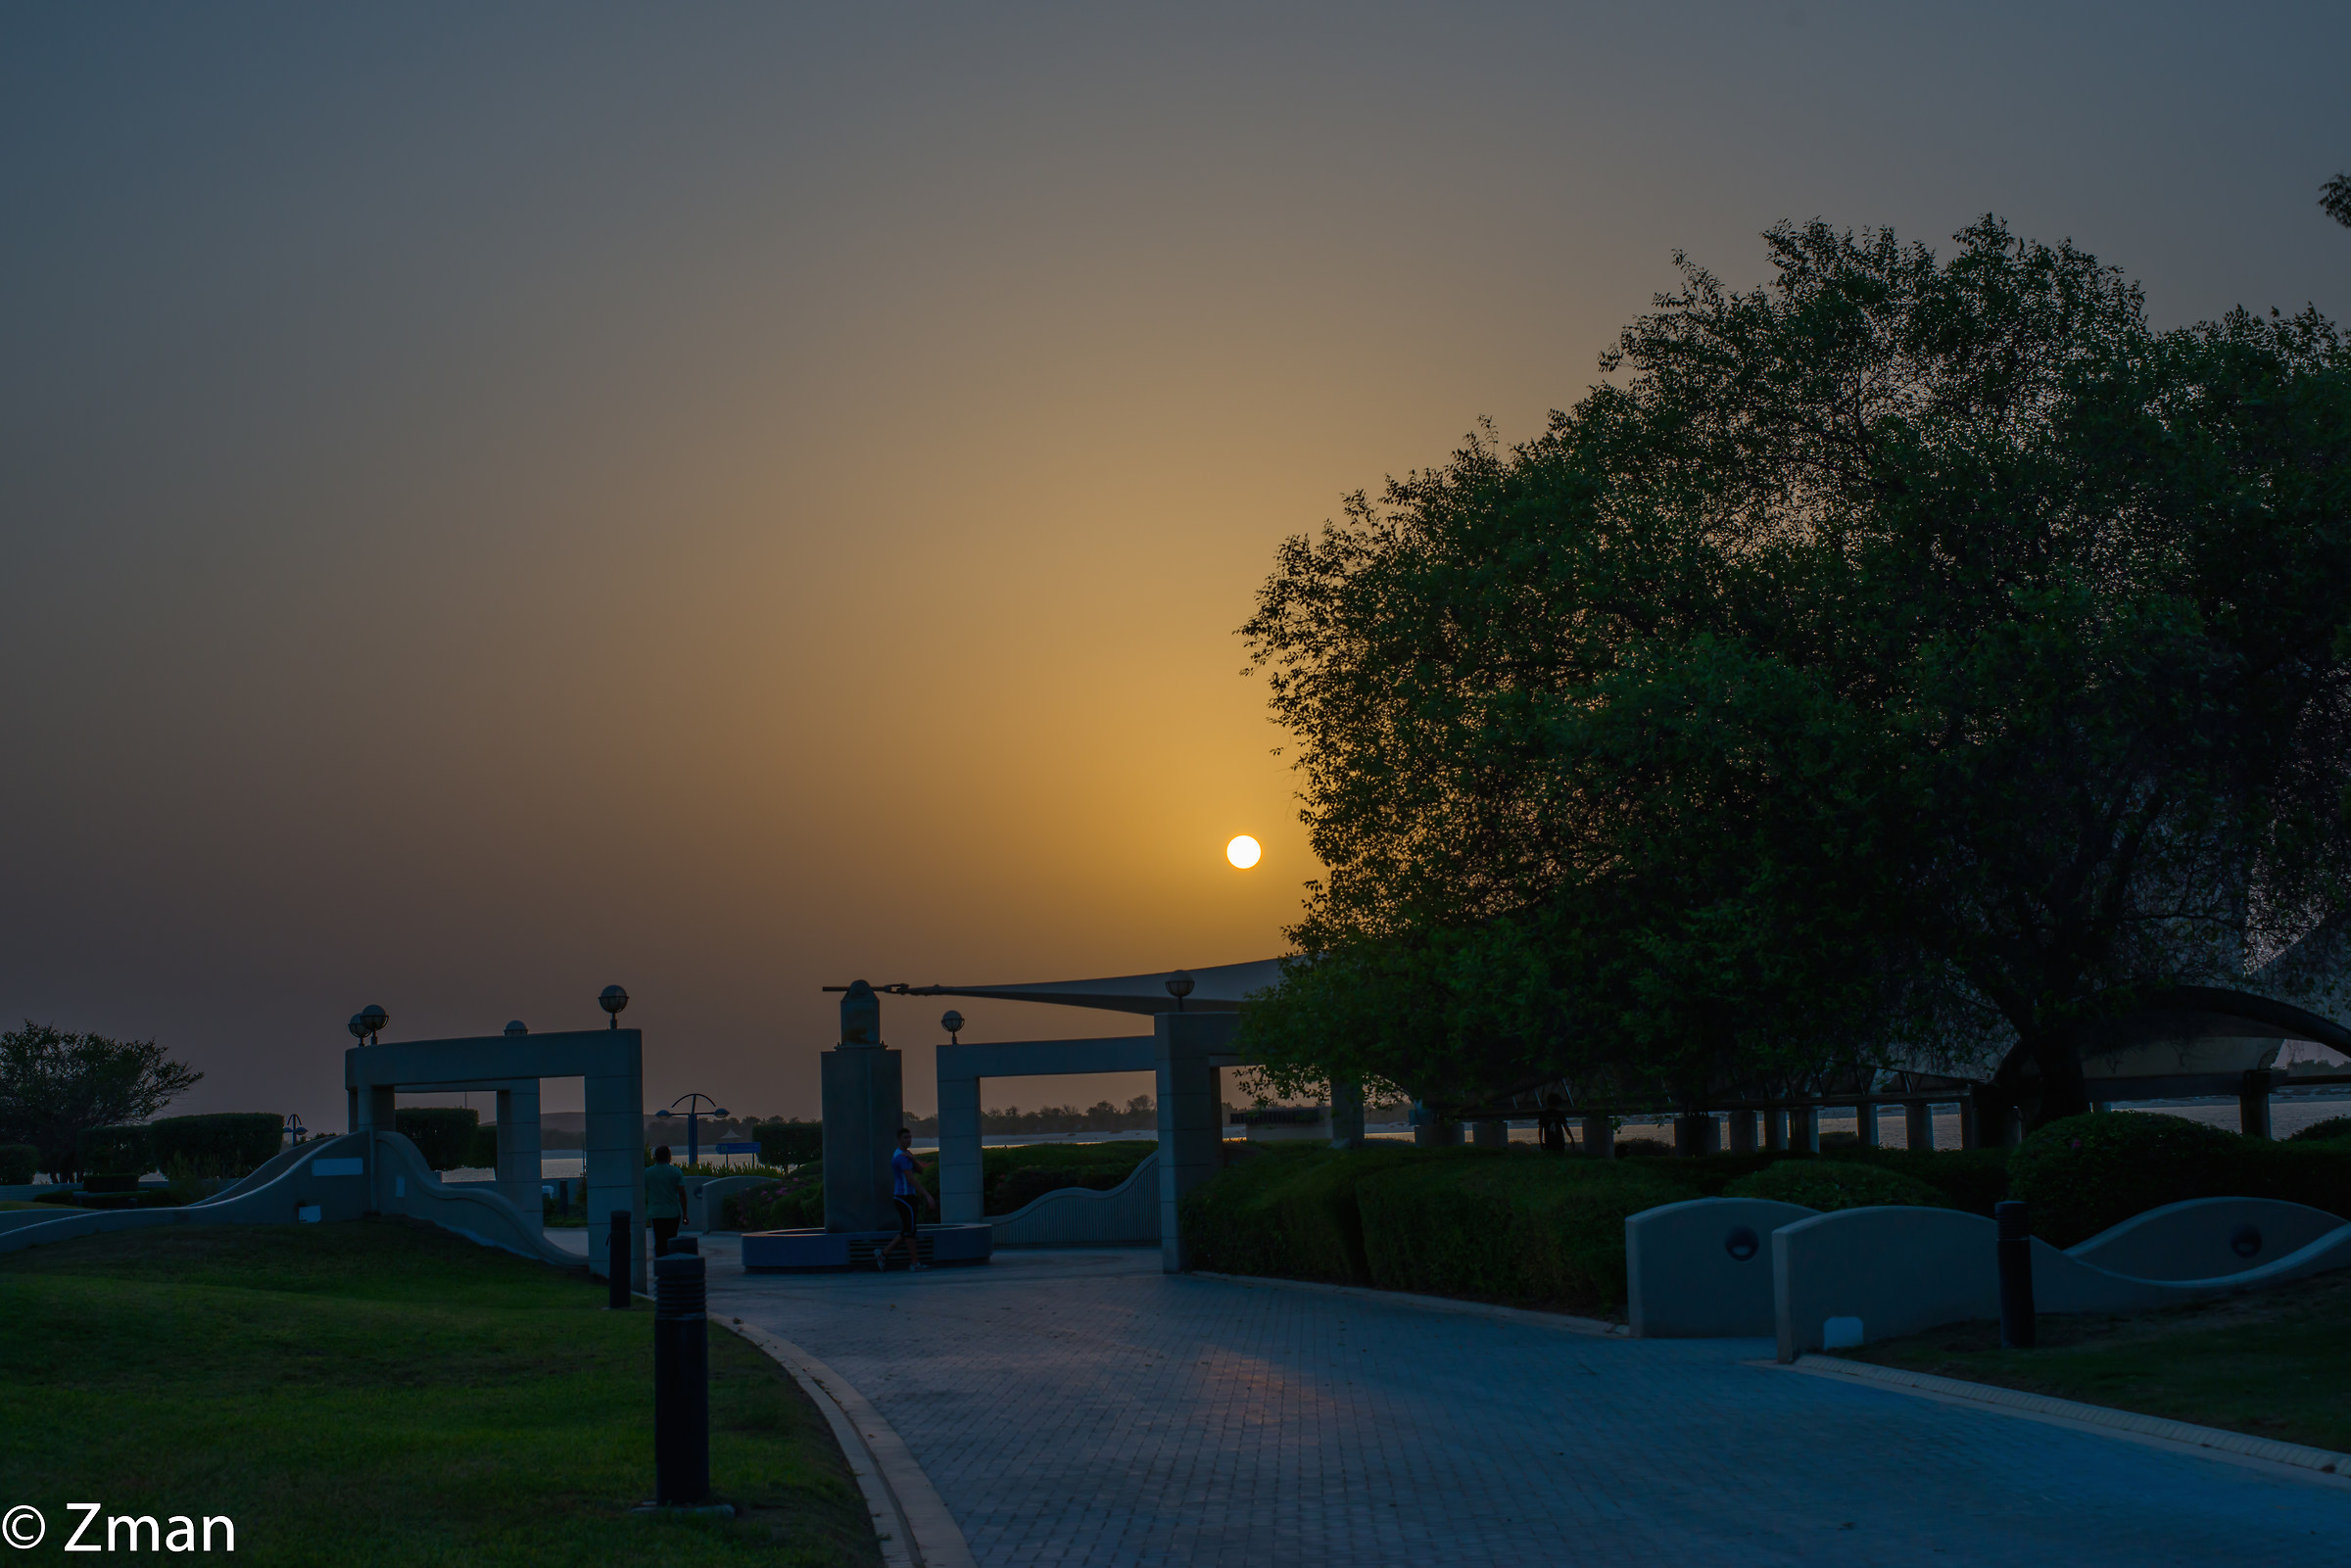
(706, 1207)
(1126, 1215)
(2205, 1237)
(1701, 1270)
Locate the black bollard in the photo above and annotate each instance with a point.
(680, 1383)
(2017, 1328)
(622, 1220)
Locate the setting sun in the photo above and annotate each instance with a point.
(1243, 851)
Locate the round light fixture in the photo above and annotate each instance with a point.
(1243, 851)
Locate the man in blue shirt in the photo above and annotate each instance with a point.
(904, 1190)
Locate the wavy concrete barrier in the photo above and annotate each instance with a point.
(706, 1207)
(323, 1180)
(1701, 1270)
(2205, 1237)
(1124, 1215)
(1903, 1270)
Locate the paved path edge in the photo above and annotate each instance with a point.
(2310, 1463)
(1438, 1304)
(924, 1533)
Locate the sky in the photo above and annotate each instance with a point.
(498, 501)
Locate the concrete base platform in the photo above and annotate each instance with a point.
(819, 1252)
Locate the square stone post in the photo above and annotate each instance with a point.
(1600, 1137)
(1918, 1124)
(2253, 1103)
(1865, 1124)
(518, 1147)
(1346, 1114)
(1491, 1133)
(1775, 1127)
(616, 1160)
(1968, 1136)
(1742, 1133)
(1695, 1134)
(1803, 1129)
(864, 1104)
(1183, 1045)
(961, 1178)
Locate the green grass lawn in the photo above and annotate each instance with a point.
(385, 1393)
(2273, 1364)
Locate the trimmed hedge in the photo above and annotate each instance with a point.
(2334, 1129)
(1019, 1173)
(784, 1144)
(482, 1152)
(1831, 1184)
(227, 1143)
(443, 1134)
(124, 1151)
(2084, 1173)
(1028, 1183)
(20, 1163)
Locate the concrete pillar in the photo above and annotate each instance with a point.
(2253, 1103)
(1600, 1138)
(1865, 1124)
(1742, 1133)
(1492, 1133)
(615, 1159)
(1188, 1113)
(1775, 1127)
(1695, 1134)
(1803, 1129)
(1437, 1134)
(1969, 1137)
(1346, 1114)
(518, 1147)
(864, 1107)
(1918, 1124)
(961, 1183)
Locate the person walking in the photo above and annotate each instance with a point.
(664, 1200)
(904, 1190)
(1551, 1126)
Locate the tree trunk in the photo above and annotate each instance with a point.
(2053, 1087)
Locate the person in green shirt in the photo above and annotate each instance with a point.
(664, 1200)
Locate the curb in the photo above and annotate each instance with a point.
(916, 1529)
(1436, 1303)
(2214, 1442)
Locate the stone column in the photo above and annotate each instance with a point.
(1437, 1134)
(1600, 1138)
(1775, 1127)
(1865, 1124)
(1491, 1133)
(1803, 1129)
(1918, 1124)
(961, 1184)
(1346, 1114)
(1695, 1134)
(1742, 1133)
(1968, 1136)
(2253, 1103)
(864, 1107)
(1183, 1044)
(518, 1147)
(615, 1159)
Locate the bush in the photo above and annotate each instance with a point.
(482, 1154)
(125, 1151)
(1973, 1179)
(19, 1163)
(1290, 1210)
(1028, 1183)
(2334, 1129)
(443, 1134)
(1828, 1184)
(793, 1203)
(2084, 1173)
(1509, 1227)
(226, 1144)
(1102, 1164)
(787, 1144)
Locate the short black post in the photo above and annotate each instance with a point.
(622, 1235)
(2017, 1327)
(680, 1383)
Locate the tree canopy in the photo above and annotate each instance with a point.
(1909, 659)
(54, 1086)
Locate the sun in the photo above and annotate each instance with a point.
(1243, 851)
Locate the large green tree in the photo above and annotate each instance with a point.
(1909, 658)
(54, 1086)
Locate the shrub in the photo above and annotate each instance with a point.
(1028, 1183)
(789, 1143)
(226, 1144)
(443, 1134)
(1290, 1210)
(1106, 1165)
(1509, 1227)
(2334, 1129)
(1973, 1179)
(2084, 1173)
(482, 1154)
(1642, 1148)
(125, 1151)
(19, 1163)
(1827, 1184)
(792, 1203)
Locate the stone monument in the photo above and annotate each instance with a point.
(864, 1087)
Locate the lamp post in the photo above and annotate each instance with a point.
(1180, 986)
(613, 1001)
(295, 1130)
(951, 1021)
(368, 1021)
(518, 1026)
(693, 1142)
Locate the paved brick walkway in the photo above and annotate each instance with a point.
(1082, 1407)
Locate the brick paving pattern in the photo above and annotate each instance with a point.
(1082, 1407)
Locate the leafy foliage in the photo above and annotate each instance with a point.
(125, 1151)
(1909, 659)
(2334, 1129)
(1830, 1184)
(54, 1086)
(224, 1144)
(443, 1134)
(791, 1143)
(19, 1163)
(2081, 1174)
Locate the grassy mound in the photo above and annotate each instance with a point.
(384, 1392)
